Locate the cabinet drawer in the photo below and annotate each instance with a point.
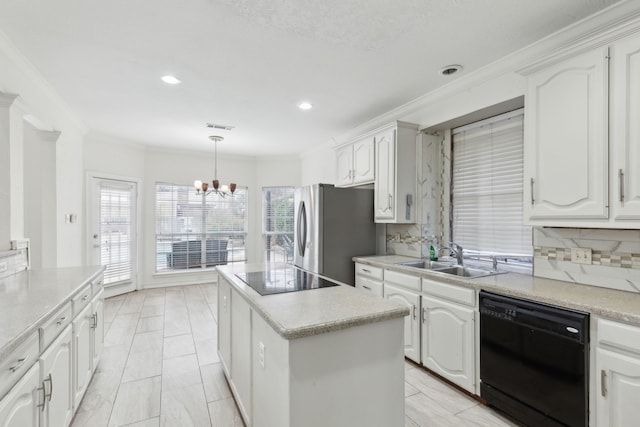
(401, 279)
(97, 284)
(369, 271)
(81, 300)
(621, 335)
(18, 362)
(56, 324)
(466, 296)
(369, 285)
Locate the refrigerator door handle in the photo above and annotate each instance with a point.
(302, 228)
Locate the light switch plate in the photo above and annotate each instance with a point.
(581, 255)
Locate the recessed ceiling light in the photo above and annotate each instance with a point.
(450, 69)
(171, 80)
(305, 106)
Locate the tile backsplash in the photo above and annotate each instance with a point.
(12, 262)
(615, 259)
(414, 239)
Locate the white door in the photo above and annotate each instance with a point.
(566, 141)
(82, 354)
(20, 406)
(113, 232)
(385, 173)
(363, 161)
(625, 129)
(618, 389)
(97, 341)
(448, 337)
(344, 170)
(56, 376)
(411, 322)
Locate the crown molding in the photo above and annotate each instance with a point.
(615, 22)
(34, 76)
(7, 99)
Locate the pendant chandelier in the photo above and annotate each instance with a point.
(223, 190)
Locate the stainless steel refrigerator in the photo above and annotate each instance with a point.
(332, 226)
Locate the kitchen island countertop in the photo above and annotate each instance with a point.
(310, 312)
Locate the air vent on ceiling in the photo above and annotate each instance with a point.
(219, 126)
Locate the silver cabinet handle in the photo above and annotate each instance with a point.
(366, 287)
(61, 321)
(44, 398)
(366, 271)
(50, 379)
(532, 198)
(621, 185)
(424, 315)
(414, 312)
(603, 383)
(389, 201)
(19, 364)
(86, 297)
(94, 321)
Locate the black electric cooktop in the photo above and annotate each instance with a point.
(280, 280)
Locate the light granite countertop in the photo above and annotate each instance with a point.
(311, 312)
(613, 304)
(29, 298)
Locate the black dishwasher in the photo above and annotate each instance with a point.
(534, 361)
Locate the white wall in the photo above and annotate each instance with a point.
(37, 100)
(149, 165)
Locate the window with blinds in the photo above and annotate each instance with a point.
(197, 231)
(487, 187)
(277, 223)
(117, 230)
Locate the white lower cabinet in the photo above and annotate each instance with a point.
(448, 340)
(97, 328)
(20, 406)
(617, 374)
(224, 324)
(369, 279)
(82, 354)
(55, 368)
(241, 353)
(411, 322)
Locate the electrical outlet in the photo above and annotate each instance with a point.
(581, 255)
(261, 354)
(4, 266)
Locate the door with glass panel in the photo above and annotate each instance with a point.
(113, 232)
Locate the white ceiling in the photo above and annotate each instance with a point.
(247, 63)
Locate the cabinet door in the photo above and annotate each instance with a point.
(625, 129)
(20, 406)
(344, 166)
(385, 172)
(97, 339)
(448, 345)
(566, 141)
(82, 354)
(618, 389)
(363, 161)
(224, 324)
(241, 353)
(411, 322)
(55, 365)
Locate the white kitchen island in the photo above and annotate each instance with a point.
(321, 357)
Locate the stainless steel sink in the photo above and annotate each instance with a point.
(459, 270)
(425, 264)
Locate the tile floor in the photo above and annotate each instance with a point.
(160, 367)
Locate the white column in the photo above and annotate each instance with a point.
(6, 100)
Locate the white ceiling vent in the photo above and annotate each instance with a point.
(219, 126)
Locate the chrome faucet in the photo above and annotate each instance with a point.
(457, 251)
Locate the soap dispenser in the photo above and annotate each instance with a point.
(433, 256)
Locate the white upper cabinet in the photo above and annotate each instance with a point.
(625, 130)
(566, 141)
(395, 184)
(355, 163)
(582, 141)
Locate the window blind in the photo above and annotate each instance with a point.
(277, 223)
(198, 231)
(487, 186)
(117, 231)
